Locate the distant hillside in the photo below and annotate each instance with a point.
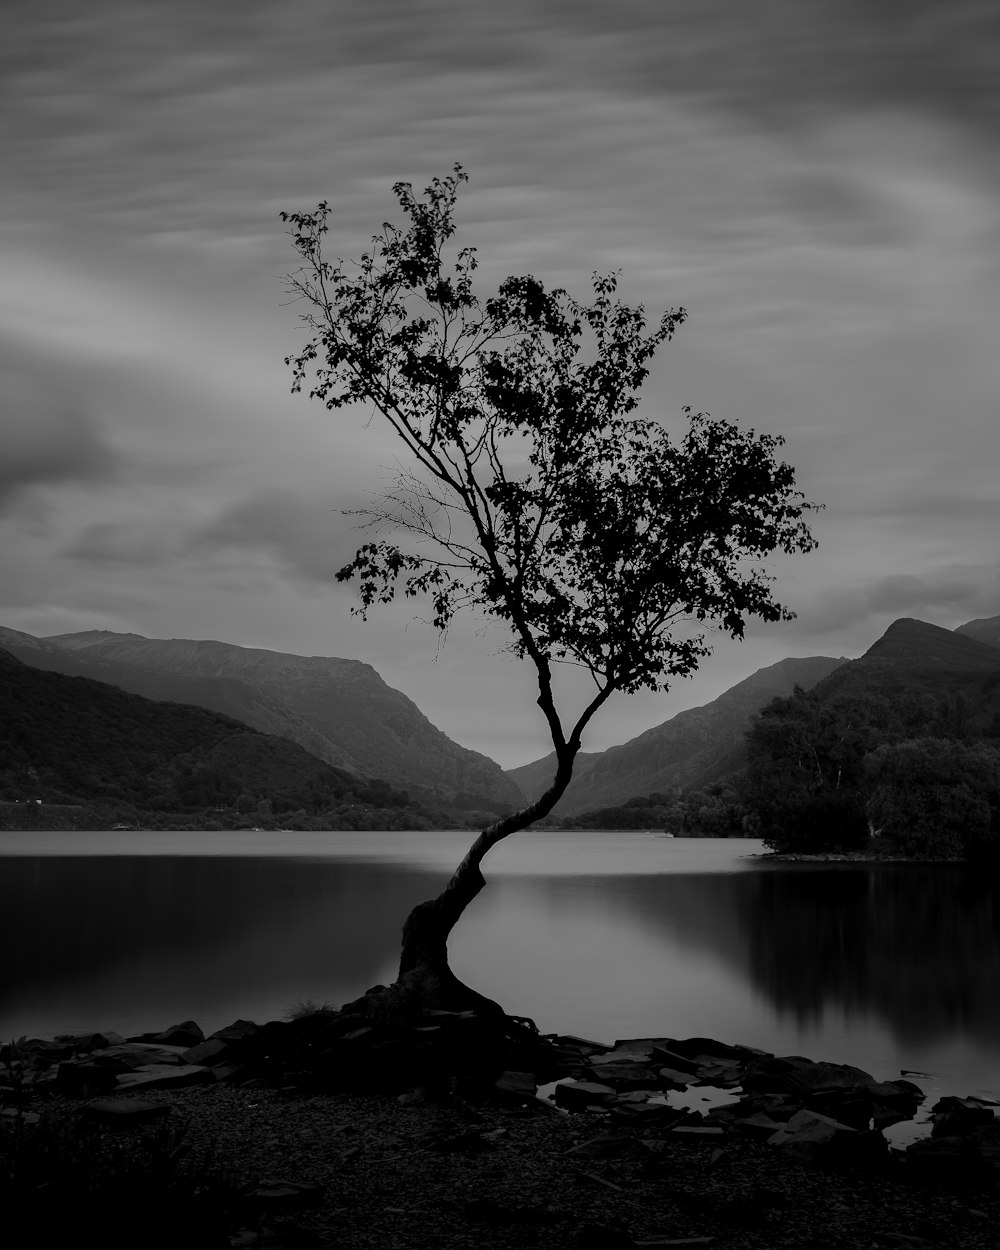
(914, 657)
(227, 695)
(690, 750)
(986, 629)
(71, 740)
(339, 710)
(899, 745)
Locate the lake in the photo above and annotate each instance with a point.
(605, 935)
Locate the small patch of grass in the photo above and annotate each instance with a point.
(307, 1007)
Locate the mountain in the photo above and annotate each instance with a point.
(229, 696)
(690, 750)
(535, 778)
(986, 629)
(914, 657)
(339, 710)
(71, 740)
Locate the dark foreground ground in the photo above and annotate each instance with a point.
(390, 1177)
(274, 1160)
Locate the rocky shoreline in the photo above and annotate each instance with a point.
(336, 1130)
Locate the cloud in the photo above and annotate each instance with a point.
(46, 437)
(947, 595)
(172, 121)
(305, 536)
(783, 61)
(119, 543)
(932, 509)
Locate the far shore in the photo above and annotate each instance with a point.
(849, 857)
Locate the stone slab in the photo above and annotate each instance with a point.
(625, 1075)
(205, 1052)
(137, 1054)
(166, 1076)
(674, 1078)
(582, 1093)
(236, 1031)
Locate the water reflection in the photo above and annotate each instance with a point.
(918, 946)
(765, 958)
(636, 938)
(123, 942)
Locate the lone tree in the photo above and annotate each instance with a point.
(534, 493)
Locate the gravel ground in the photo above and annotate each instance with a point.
(442, 1177)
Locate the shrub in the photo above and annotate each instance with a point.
(69, 1183)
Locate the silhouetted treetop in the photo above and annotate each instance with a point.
(538, 494)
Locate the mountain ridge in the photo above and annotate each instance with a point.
(984, 629)
(916, 657)
(701, 745)
(100, 753)
(340, 710)
(343, 712)
(689, 750)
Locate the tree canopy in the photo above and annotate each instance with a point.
(935, 796)
(828, 774)
(535, 491)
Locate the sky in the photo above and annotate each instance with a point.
(816, 181)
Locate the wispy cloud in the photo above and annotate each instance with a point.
(119, 543)
(303, 536)
(47, 438)
(948, 595)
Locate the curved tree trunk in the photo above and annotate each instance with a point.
(424, 971)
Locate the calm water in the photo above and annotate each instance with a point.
(606, 935)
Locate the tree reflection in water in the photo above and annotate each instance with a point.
(917, 946)
(912, 949)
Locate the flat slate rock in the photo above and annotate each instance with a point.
(691, 1047)
(516, 1084)
(641, 1045)
(674, 1078)
(575, 1043)
(214, 1048)
(235, 1032)
(86, 1041)
(166, 1076)
(671, 1059)
(795, 1074)
(582, 1093)
(282, 1193)
(125, 1109)
(139, 1054)
(759, 1123)
(625, 1075)
(187, 1033)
